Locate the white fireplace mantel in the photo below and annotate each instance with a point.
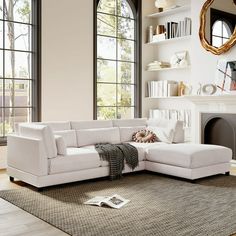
(209, 104)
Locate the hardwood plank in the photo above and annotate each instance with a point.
(17, 222)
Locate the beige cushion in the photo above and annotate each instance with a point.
(57, 125)
(69, 137)
(93, 136)
(165, 135)
(129, 122)
(93, 124)
(176, 126)
(76, 159)
(126, 133)
(61, 146)
(189, 155)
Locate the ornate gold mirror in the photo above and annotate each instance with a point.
(217, 25)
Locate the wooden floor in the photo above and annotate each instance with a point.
(14, 221)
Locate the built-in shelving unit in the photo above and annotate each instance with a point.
(175, 10)
(170, 68)
(177, 40)
(172, 40)
(171, 97)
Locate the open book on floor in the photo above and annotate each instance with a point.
(115, 201)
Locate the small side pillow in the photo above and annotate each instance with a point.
(165, 135)
(144, 136)
(61, 145)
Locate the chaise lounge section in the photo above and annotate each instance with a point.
(45, 154)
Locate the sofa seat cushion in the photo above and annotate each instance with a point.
(143, 147)
(76, 159)
(141, 153)
(189, 155)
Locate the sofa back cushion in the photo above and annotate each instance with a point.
(57, 125)
(87, 137)
(176, 126)
(69, 136)
(130, 122)
(126, 133)
(42, 132)
(94, 124)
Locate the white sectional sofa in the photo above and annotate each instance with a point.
(45, 154)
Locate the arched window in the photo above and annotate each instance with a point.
(116, 53)
(222, 27)
(221, 33)
(19, 63)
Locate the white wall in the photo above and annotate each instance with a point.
(203, 62)
(67, 60)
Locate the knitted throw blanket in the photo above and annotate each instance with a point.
(117, 155)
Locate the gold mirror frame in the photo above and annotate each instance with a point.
(222, 49)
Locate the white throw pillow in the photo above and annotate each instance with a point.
(87, 137)
(69, 137)
(176, 125)
(61, 146)
(179, 132)
(165, 135)
(126, 133)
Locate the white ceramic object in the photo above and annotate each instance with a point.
(209, 89)
(165, 4)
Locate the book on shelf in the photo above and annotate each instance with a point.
(166, 88)
(178, 29)
(172, 114)
(114, 201)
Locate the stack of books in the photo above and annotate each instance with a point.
(166, 88)
(157, 65)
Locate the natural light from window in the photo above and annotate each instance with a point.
(116, 63)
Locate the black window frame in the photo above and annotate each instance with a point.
(137, 4)
(36, 6)
(218, 15)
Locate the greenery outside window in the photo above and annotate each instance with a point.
(116, 76)
(19, 63)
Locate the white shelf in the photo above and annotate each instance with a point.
(170, 12)
(171, 97)
(170, 68)
(188, 37)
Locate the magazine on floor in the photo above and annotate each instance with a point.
(115, 201)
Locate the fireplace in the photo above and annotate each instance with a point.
(219, 129)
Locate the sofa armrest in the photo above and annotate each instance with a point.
(27, 154)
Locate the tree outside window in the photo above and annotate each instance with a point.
(17, 53)
(116, 80)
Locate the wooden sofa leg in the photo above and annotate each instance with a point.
(227, 173)
(11, 179)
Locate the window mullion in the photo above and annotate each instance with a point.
(3, 53)
(117, 60)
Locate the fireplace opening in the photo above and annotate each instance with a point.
(219, 129)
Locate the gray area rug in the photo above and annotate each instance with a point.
(159, 206)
